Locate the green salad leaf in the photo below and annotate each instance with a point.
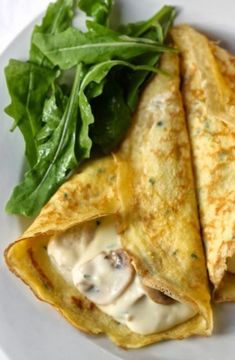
(59, 151)
(58, 18)
(113, 120)
(99, 10)
(162, 20)
(100, 29)
(72, 46)
(157, 29)
(53, 110)
(56, 160)
(97, 74)
(76, 94)
(28, 85)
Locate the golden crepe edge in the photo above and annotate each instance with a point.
(26, 257)
(208, 77)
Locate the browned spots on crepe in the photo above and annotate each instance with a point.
(44, 278)
(83, 304)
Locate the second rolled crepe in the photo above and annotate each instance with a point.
(208, 87)
(137, 213)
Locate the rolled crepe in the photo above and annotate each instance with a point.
(148, 189)
(208, 88)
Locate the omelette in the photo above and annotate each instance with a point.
(117, 249)
(208, 73)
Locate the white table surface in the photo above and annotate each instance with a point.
(15, 15)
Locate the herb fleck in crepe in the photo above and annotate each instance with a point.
(77, 91)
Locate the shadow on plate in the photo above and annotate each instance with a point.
(224, 323)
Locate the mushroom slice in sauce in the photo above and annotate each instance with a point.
(158, 296)
(105, 277)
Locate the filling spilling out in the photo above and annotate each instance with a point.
(91, 258)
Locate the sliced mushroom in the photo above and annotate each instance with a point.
(119, 259)
(105, 277)
(157, 296)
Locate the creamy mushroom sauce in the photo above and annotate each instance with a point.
(231, 264)
(91, 258)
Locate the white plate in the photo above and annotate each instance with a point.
(32, 330)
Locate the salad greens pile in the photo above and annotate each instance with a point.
(75, 95)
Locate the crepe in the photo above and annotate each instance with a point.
(148, 187)
(208, 87)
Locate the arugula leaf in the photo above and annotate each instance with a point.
(96, 75)
(93, 89)
(58, 18)
(156, 29)
(134, 82)
(57, 140)
(163, 17)
(78, 90)
(28, 85)
(53, 110)
(120, 97)
(111, 120)
(56, 160)
(100, 29)
(99, 10)
(72, 46)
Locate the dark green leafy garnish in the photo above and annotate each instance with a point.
(99, 10)
(28, 85)
(56, 159)
(76, 94)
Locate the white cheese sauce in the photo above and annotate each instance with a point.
(82, 256)
(144, 316)
(231, 264)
